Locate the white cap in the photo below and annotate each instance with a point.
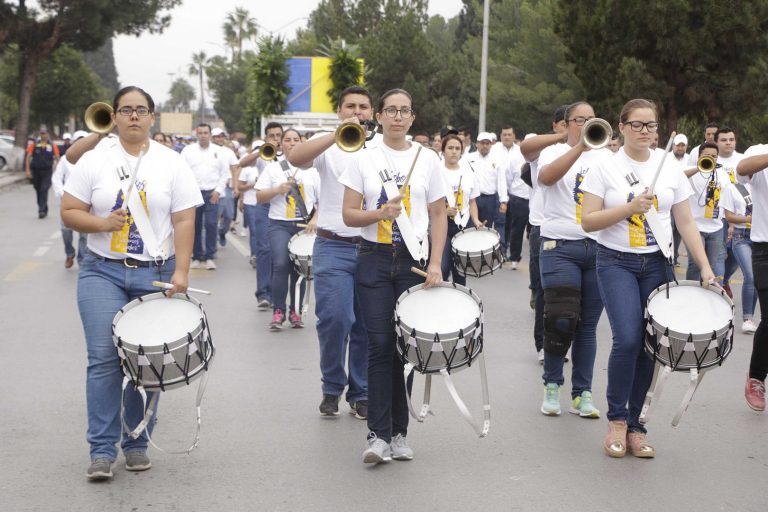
(217, 131)
(79, 134)
(257, 144)
(680, 138)
(66, 135)
(484, 136)
(528, 136)
(493, 136)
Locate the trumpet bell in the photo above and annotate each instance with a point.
(596, 133)
(267, 151)
(350, 137)
(98, 117)
(706, 163)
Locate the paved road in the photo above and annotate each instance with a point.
(264, 447)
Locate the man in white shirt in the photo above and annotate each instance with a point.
(229, 201)
(709, 136)
(518, 193)
(491, 180)
(211, 168)
(727, 160)
(59, 179)
(679, 148)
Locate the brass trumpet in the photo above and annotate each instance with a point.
(267, 151)
(596, 133)
(706, 163)
(98, 117)
(351, 137)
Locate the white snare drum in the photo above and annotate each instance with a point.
(163, 342)
(440, 327)
(477, 251)
(689, 327)
(300, 251)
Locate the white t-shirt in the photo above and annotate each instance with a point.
(562, 200)
(461, 182)
(536, 202)
(165, 183)
(510, 160)
(491, 179)
(733, 201)
(426, 186)
(210, 166)
(249, 175)
(608, 181)
(705, 200)
(231, 158)
(729, 167)
(330, 165)
(759, 184)
(283, 206)
(60, 176)
(693, 156)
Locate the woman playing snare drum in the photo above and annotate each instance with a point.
(384, 261)
(119, 267)
(630, 264)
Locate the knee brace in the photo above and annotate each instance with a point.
(562, 305)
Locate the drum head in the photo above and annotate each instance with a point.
(157, 320)
(690, 308)
(475, 240)
(441, 309)
(301, 244)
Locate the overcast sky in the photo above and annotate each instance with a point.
(154, 61)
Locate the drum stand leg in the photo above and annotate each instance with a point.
(654, 392)
(693, 384)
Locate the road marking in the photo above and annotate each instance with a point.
(237, 244)
(41, 251)
(56, 234)
(23, 270)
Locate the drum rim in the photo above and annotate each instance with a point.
(302, 233)
(703, 336)
(496, 246)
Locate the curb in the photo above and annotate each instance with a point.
(8, 179)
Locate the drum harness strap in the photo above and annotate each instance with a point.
(295, 193)
(299, 306)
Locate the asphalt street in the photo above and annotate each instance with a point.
(265, 447)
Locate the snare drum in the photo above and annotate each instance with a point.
(689, 326)
(163, 342)
(477, 251)
(440, 327)
(300, 251)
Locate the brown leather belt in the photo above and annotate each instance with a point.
(330, 235)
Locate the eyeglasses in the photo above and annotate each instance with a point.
(579, 121)
(637, 126)
(405, 112)
(128, 111)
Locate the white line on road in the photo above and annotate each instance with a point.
(56, 234)
(237, 244)
(41, 251)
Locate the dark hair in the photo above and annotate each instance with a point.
(464, 129)
(203, 125)
(132, 88)
(709, 145)
(571, 107)
(507, 127)
(635, 104)
(164, 136)
(355, 89)
(288, 130)
(392, 92)
(450, 137)
(424, 133)
(711, 125)
(724, 129)
(273, 124)
(560, 113)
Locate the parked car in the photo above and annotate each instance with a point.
(11, 157)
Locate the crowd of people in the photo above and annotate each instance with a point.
(396, 204)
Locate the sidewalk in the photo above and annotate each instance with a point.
(8, 179)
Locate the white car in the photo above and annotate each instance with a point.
(11, 157)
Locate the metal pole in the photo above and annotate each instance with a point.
(484, 67)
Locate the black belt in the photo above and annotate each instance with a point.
(330, 235)
(130, 262)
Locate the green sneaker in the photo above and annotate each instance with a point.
(583, 406)
(551, 404)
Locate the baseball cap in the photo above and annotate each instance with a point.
(66, 135)
(42, 130)
(680, 138)
(79, 134)
(257, 144)
(484, 136)
(216, 132)
(448, 130)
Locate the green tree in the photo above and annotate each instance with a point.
(180, 95)
(228, 83)
(239, 27)
(346, 68)
(37, 31)
(197, 68)
(102, 62)
(267, 85)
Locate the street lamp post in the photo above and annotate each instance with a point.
(484, 68)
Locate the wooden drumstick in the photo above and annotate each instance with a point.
(419, 272)
(302, 225)
(168, 286)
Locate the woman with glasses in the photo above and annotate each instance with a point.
(572, 304)
(119, 266)
(461, 183)
(630, 264)
(384, 260)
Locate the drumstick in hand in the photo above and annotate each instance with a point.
(168, 286)
(419, 272)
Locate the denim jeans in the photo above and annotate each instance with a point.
(284, 274)
(206, 223)
(340, 327)
(67, 235)
(448, 266)
(715, 249)
(626, 280)
(758, 364)
(383, 274)
(103, 288)
(517, 220)
(534, 273)
(227, 210)
(572, 263)
(259, 229)
(487, 207)
(730, 265)
(742, 252)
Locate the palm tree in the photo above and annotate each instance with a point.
(239, 27)
(197, 67)
(180, 95)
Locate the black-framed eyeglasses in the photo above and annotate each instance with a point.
(637, 126)
(128, 111)
(405, 112)
(579, 121)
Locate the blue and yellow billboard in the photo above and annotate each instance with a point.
(308, 81)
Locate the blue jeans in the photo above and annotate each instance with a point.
(227, 210)
(742, 252)
(730, 264)
(67, 235)
(487, 207)
(249, 220)
(206, 222)
(340, 325)
(626, 280)
(517, 220)
(572, 263)
(383, 274)
(102, 289)
(259, 228)
(448, 266)
(284, 275)
(534, 273)
(715, 249)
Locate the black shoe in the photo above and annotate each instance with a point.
(330, 405)
(359, 409)
(42, 215)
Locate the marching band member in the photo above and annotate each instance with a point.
(292, 197)
(120, 266)
(491, 181)
(630, 265)
(572, 304)
(387, 253)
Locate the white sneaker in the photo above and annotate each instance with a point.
(210, 265)
(195, 264)
(513, 265)
(400, 449)
(748, 327)
(568, 355)
(541, 356)
(377, 451)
